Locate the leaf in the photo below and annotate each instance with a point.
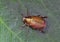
(11, 20)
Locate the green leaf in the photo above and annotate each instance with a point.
(11, 20)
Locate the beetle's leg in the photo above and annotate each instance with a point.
(44, 16)
(38, 15)
(23, 25)
(42, 30)
(27, 24)
(28, 13)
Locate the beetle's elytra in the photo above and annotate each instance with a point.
(35, 22)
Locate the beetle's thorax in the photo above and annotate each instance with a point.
(27, 19)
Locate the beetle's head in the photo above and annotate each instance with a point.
(24, 18)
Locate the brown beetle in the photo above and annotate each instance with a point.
(35, 22)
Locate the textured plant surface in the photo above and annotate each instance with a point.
(11, 20)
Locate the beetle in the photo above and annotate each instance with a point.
(35, 22)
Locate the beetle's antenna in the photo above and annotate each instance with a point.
(28, 14)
